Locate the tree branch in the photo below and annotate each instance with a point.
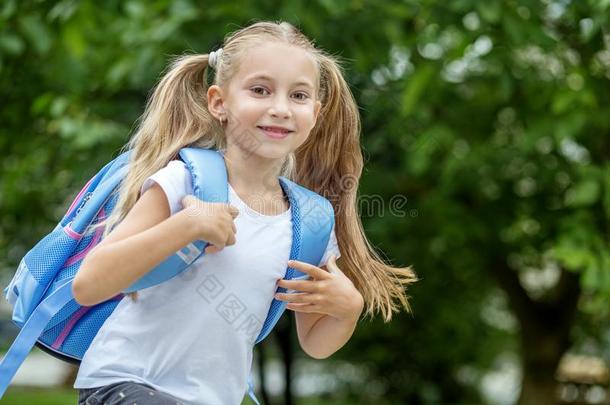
(518, 298)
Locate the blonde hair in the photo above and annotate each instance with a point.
(176, 116)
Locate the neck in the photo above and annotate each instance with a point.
(252, 174)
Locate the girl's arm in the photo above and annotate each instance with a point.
(146, 236)
(326, 334)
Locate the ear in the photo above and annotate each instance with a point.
(216, 101)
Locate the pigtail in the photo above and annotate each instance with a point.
(176, 115)
(336, 176)
(177, 112)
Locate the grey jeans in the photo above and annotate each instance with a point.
(125, 392)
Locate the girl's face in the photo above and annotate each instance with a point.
(275, 86)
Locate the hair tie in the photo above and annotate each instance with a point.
(214, 57)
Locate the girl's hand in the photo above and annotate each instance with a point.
(214, 222)
(327, 292)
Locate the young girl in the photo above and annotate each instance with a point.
(278, 106)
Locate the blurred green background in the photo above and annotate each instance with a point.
(486, 131)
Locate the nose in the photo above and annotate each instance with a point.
(280, 107)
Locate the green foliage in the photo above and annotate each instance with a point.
(18, 396)
(491, 117)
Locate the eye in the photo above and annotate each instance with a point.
(305, 95)
(257, 88)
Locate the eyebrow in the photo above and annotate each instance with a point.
(270, 79)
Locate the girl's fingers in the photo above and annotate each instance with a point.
(310, 269)
(294, 297)
(212, 249)
(233, 211)
(299, 285)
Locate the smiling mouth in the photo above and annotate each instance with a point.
(275, 129)
(275, 133)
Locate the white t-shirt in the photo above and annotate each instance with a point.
(192, 336)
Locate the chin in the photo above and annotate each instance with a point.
(276, 152)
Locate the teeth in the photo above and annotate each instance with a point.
(274, 129)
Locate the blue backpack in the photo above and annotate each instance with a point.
(41, 289)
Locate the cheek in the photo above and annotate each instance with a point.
(306, 112)
(307, 117)
(247, 108)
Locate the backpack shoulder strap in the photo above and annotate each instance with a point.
(209, 178)
(316, 220)
(208, 172)
(30, 332)
(312, 222)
